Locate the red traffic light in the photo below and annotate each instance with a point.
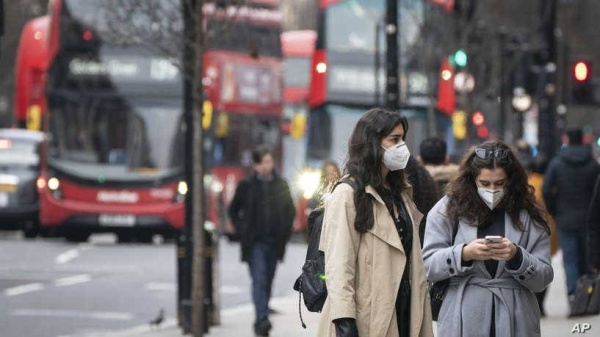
(87, 35)
(483, 132)
(581, 71)
(478, 118)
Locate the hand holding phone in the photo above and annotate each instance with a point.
(493, 238)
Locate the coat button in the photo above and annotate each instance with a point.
(451, 270)
(449, 261)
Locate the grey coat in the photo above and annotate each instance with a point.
(467, 308)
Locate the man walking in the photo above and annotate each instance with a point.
(567, 191)
(262, 212)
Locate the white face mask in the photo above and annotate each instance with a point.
(491, 197)
(396, 157)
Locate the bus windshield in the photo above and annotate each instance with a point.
(351, 25)
(123, 22)
(248, 37)
(118, 139)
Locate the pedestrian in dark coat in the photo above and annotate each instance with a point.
(567, 190)
(262, 212)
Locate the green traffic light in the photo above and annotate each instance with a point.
(460, 58)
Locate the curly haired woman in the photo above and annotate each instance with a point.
(492, 282)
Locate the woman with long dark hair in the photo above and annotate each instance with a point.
(501, 250)
(370, 237)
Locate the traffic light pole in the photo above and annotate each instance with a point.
(392, 90)
(547, 133)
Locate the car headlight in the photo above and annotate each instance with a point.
(308, 182)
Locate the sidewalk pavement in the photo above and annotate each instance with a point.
(238, 321)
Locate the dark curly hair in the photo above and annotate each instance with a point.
(464, 201)
(365, 159)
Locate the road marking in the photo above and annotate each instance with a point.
(72, 280)
(157, 286)
(23, 289)
(100, 315)
(67, 256)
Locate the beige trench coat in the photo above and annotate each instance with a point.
(363, 272)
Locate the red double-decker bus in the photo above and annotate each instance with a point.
(348, 73)
(114, 157)
(30, 72)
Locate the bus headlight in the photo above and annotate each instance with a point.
(308, 182)
(182, 190)
(54, 187)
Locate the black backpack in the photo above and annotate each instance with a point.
(311, 282)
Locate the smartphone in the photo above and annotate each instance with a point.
(493, 238)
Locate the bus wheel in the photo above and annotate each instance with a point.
(30, 229)
(49, 232)
(169, 237)
(77, 236)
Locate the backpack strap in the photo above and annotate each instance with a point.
(348, 181)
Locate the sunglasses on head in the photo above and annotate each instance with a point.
(482, 153)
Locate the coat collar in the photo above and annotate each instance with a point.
(384, 227)
(407, 193)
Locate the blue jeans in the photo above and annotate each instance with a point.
(573, 246)
(262, 263)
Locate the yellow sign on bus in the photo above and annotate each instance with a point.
(207, 113)
(34, 118)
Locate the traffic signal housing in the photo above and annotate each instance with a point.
(582, 85)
